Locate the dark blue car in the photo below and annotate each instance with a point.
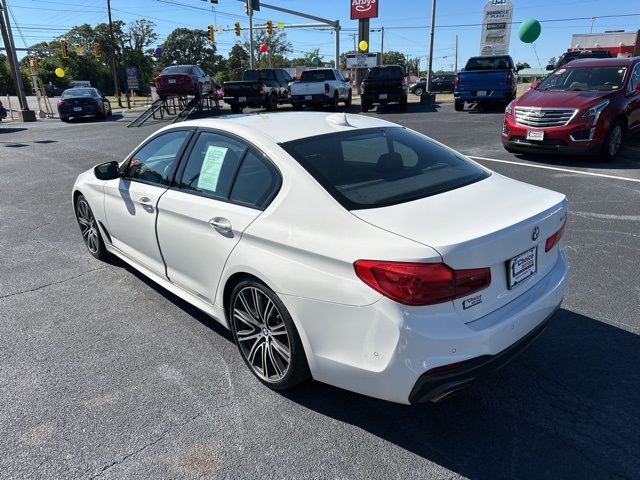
(81, 102)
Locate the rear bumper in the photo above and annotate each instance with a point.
(315, 99)
(3, 113)
(165, 91)
(492, 96)
(435, 387)
(249, 101)
(85, 110)
(374, 98)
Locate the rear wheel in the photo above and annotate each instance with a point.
(89, 229)
(65, 119)
(459, 105)
(334, 102)
(297, 106)
(236, 109)
(266, 336)
(403, 104)
(272, 103)
(613, 141)
(364, 106)
(349, 100)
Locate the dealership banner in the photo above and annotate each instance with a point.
(496, 27)
(362, 9)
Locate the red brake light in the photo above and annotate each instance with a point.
(421, 283)
(554, 239)
(326, 88)
(261, 87)
(457, 80)
(509, 79)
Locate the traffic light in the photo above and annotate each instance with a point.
(64, 48)
(97, 49)
(270, 27)
(212, 35)
(238, 28)
(214, 1)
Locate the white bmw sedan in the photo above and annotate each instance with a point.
(337, 247)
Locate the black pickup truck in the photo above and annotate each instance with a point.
(266, 87)
(383, 85)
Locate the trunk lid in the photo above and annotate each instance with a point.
(384, 86)
(483, 79)
(307, 88)
(485, 224)
(242, 88)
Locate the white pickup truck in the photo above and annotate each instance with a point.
(320, 87)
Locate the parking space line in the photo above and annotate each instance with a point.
(546, 167)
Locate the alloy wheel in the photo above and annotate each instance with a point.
(615, 140)
(88, 226)
(261, 334)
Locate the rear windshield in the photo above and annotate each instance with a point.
(254, 75)
(177, 69)
(317, 76)
(377, 167)
(78, 92)
(385, 73)
(487, 63)
(577, 78)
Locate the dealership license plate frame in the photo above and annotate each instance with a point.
(535, 135)
(77, 109)
(481, 93)
(514, 279)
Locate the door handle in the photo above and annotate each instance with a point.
(146, 201)
(220, 224)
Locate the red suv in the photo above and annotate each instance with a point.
(584, 107)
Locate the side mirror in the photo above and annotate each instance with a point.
(534, 85)
(347, 79)
(550, 68)
(106, 171)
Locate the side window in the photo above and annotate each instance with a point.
(256, 181)
(211, 165)
(155, 161)
(287, 78)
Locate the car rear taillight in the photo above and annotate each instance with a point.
(326, 88)
(554, 239)
(456, 81)
(261, 87)
(509, 79)
(421, 283)
(60, 102)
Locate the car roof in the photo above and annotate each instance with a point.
(602, 62)
(287, 126)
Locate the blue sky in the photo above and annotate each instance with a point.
(405, 22)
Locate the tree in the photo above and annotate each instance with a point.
(237, 63)
(521, 65)
(394, 58)
(139, 35)
(185, 46)
(278, 47)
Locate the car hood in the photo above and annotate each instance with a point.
(568, 99)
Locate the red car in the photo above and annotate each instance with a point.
(183, 80)
(586, 107)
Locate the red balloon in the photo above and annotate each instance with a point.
(264, 47)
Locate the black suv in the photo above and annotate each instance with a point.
(265, 87)
(383, 85)
(574, 55)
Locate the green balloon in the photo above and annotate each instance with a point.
(529, 31)
(315, 60)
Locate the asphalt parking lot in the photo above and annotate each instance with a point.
(104, 374)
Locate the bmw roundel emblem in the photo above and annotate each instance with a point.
(535, 233)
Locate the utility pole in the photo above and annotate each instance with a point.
(456, 70)
(382, 43)
(250, 13)
(24, 115)
(433, 27)
(113, 56)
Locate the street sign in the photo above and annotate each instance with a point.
(362, 9)
(496, 27)
(362, 60)
(131, 77)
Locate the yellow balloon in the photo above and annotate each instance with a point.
(59, 72)
(363, 45)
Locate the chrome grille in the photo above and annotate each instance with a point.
(544, 117)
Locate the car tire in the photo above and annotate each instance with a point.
(364, 106)
(89, 229)
(266, 336)
(613, 141)
(272, 103)
(349, 100)
(65, 119)
(296, 106)
(458, 105)
(236, 109)
(334, 103)
(418, 91)
(403, 103)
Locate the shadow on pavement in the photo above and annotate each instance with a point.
(10, 129)
(112, 118)
(568, 407)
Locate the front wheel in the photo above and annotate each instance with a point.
(349, 100)
(89, 229)
(613, 141)
(266, 336)
(459, 105)
(418, 91)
